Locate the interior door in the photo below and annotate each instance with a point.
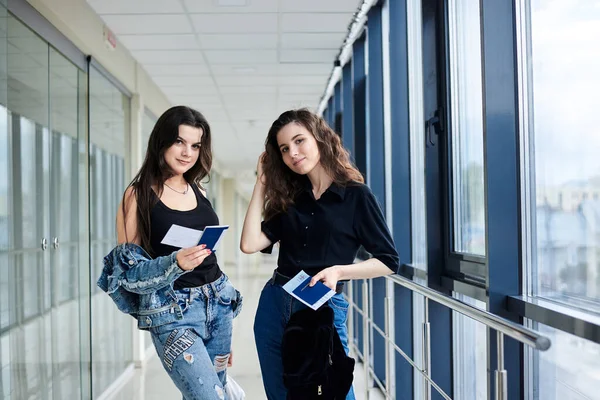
(63, 230)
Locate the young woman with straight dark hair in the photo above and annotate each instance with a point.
(184, 299)
(316, 206)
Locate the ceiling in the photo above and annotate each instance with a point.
(240, 62)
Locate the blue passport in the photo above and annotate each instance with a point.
(212, 235)
(311, 295)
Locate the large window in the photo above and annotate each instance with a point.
(559, 84)
(569, 369)
(563, 82)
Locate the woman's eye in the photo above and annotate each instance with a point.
(284, 150)
(196, 146)
(178, 141)
(299, 141)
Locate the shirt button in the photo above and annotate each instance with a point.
(131, 262)
(304, 244)
(312, 213)
(306, 227)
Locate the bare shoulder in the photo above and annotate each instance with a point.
(201, 189)
(127, 218)
(129, 198)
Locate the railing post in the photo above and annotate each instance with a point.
(350, 286)
(390, 332)
(426, 350)
(366, 316)
(501, 374)
(388, 366)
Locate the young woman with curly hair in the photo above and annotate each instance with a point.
(316, 206)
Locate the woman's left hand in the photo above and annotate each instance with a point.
(330, 277)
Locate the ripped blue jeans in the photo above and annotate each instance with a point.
(195, 350)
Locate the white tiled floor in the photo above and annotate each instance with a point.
(152, 383)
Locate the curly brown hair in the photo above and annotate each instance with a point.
(282, 185)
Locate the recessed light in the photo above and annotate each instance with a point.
(231, 3)
(244, 70)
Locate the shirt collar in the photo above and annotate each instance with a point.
(336, 189)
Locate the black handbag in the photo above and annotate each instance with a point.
(315, 365)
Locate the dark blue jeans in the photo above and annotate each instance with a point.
(275, 308)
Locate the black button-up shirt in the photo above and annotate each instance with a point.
(316, 234)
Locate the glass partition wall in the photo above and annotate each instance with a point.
(60, 186)
(42, 217)
(111, 330)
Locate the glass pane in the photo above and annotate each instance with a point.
(564, 81)
(417, 136)
(5, 214)
(25, 165)
(83, 261)
(148, 121)
(470, 353)
(569, 369)
(466, 123)
(112, 331)
(64, 221)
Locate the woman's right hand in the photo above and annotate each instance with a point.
(191, 257)
(259, 168)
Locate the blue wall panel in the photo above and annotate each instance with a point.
(359, 94)
(348, 109)
(337, 107)
(401, 193)
(501, 149)
(376, 165)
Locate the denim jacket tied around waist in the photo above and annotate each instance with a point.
(142, 286)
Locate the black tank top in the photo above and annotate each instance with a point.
(161, 219)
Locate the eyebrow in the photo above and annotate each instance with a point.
(294, 138)
(183, 140)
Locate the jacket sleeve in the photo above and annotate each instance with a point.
(144, 275)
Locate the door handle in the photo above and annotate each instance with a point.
(44, 244)
(55, 243)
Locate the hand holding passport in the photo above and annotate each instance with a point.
(182, 237)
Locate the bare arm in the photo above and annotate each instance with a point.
(253, 239)
(371, 268)
(127, 222)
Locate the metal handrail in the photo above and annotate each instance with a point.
(518, 332)
(501, 325)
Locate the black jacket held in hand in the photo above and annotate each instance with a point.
(315, 365)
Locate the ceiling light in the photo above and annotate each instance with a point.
(244, 70)
(231, 3)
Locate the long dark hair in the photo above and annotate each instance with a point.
(282, 184)
(155, 171)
